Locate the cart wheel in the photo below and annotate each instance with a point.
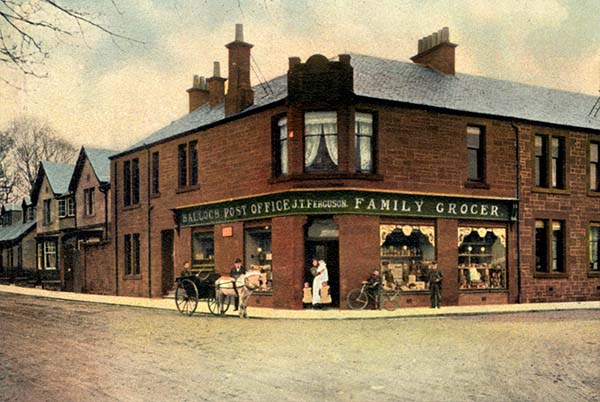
(391, 303)
(212, 305)
(357, 299)
(186, 297)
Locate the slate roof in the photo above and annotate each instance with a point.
(99, 159)
(15, 232)
(411, 83)
(59, 176)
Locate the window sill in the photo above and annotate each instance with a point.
(131, 207)
(547, 275)
(488, 290)
(592, 193)
(476, 184)
(325, 176)
(595, 274)
(557, 191)
(187, 189)
(155, 195)
(132, 277)
(90, 215)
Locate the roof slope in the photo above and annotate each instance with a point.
(99, 159)
(15, 232)
(411, 83)
(59, 176)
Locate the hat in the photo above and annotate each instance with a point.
(434, 262)
(237, 260)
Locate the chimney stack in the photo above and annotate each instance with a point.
(239, 94)
(198, 93)
(437, 52)
(216, 86)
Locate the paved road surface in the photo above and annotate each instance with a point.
(69, 351)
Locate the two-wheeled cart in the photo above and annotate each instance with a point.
(194, 288)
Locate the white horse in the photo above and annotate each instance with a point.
(245, 284)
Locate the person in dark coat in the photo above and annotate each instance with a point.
(435, 285)
(237, 271)
(374, 286)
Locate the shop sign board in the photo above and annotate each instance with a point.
(355, 202)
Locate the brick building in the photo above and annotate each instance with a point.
(367, 163)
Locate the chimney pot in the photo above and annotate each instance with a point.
(345, 58)
(437, 52)
(216, 69)
(445, 34)
(239, 32)
(293, 61)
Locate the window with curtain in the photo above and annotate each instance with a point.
(280, 147)
(320, 142)
(364, 142)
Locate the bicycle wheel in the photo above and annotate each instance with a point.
(357, 299)
(391, 302)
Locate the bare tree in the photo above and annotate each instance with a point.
(27, 28)
(32, 141)
(8, 178)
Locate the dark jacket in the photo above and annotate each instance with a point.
(237, 273)
(435, 278)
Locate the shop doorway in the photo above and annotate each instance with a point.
(321, 242)
(168, 269)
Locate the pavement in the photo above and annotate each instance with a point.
(308, 314)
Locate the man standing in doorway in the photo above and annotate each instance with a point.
(435, 285)
(237, 271)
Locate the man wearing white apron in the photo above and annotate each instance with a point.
(322, 276)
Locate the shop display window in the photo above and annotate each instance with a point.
(406, 255)
(481, 258)
(258, 255)
(203, 252)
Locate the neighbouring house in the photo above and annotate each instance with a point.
(366, 163)
(55, 229)
(17, 243)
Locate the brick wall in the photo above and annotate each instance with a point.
(98, 266)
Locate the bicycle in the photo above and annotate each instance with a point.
(358, 299)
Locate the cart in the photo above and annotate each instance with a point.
(194, 288)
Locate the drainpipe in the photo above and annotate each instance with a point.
(116, 225)
(104, 190)
(149, 207)
(518, 197)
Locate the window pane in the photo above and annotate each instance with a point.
(473, 164)
(320, 141)
(258, 255)
(155, 172)
(541, 170)
(127, 183)
(136, 254)
(406, 254)
(595, 248)
(541, 251)
(283, 146)
(363, 140)
(594, 152)
(473, 137)
(193, 163)
(182, 165)
(203, 252)
(135, 176)
(557, 247)
(558, 162)
(62, 208)
(127, 254)
(482, 258)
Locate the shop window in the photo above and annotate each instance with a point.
(132, 254)
(594, 167)
(594, 237)
(549, 246)
(257, 254)
(406, 254)
(475, 153)
(280, 146)
(320, 142)
(549, 161)
(203, 252)
(482, 258)
(155, 173)
(187, 157)
(88, 199)
(364, 140)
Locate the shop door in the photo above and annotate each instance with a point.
(71, 258)
(327, 250)
(168, 270)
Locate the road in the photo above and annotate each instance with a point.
(69, 351)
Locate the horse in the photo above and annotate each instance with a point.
(245, 284)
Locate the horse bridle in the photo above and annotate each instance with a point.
(248, 277)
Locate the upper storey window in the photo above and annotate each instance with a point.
(364, 142)
(320, 142)
(475, 154)
(549, 162)
(280, 147)
(594, 167)
(187, 156)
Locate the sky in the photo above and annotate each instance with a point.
(111, 94)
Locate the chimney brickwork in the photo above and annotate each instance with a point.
(437, 52)
(216, 86)
(198, 93)
(239, 93)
